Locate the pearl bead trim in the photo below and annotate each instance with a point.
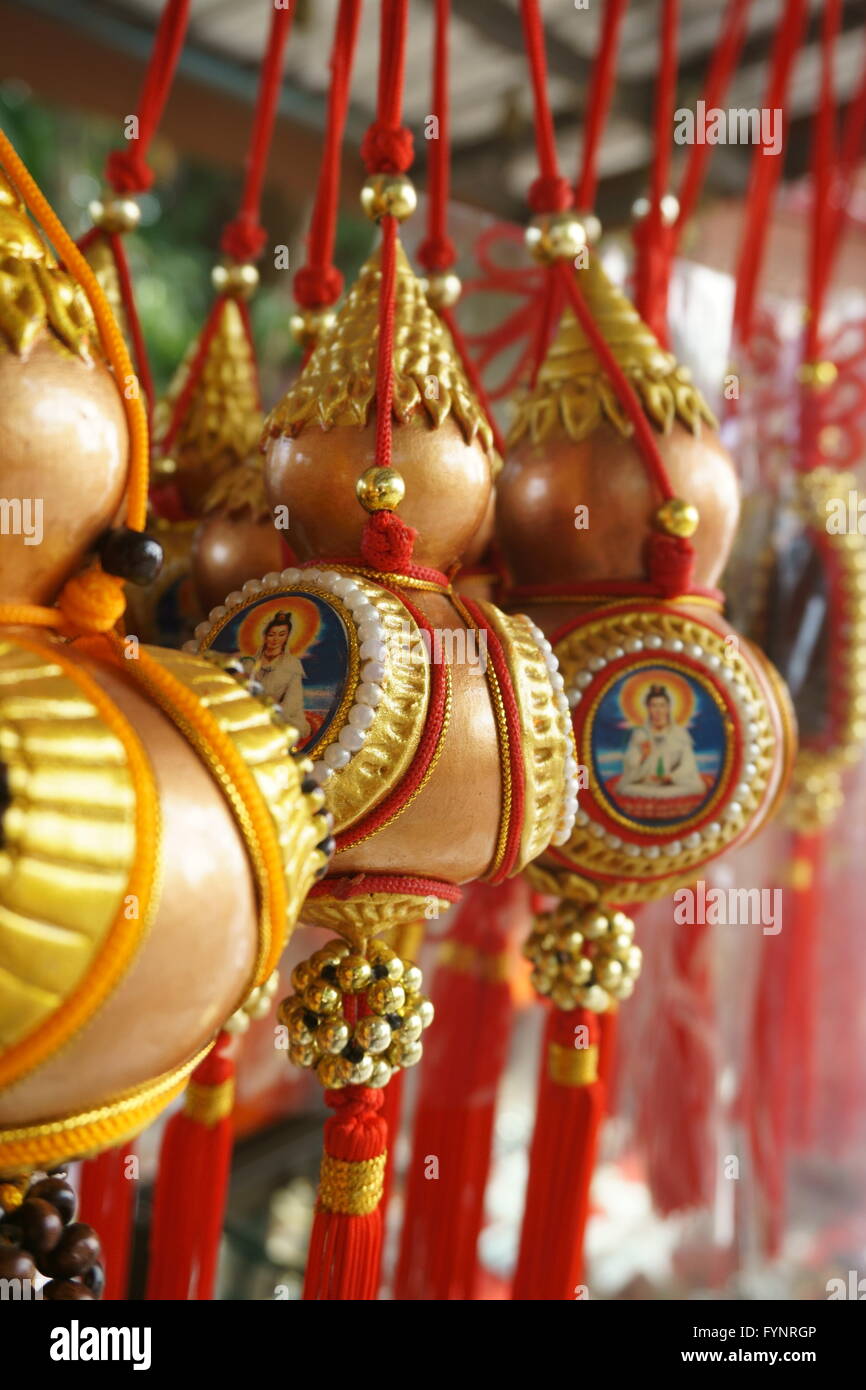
(568, 809)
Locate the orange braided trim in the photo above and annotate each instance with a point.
(110, 335)
(125, 935)
(248, 805)
(88, 1133)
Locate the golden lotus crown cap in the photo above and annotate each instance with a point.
(338, 384)
(572, 391)
(36, 296)
(222, 421)
(239, 491)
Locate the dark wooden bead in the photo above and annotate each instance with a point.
(41, 1226)
(94, 1278)
(65, 1291)
(75, 1253)
(131, 555)
(16, 1263)
(59, 1194)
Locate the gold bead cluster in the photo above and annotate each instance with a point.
(583, 957)
(385, 1000)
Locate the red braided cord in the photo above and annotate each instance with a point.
(319, 282)
(824, 182)
(437, 251)
(653, 236)
(126, 169)
(516, 813)
(385, 357)
(766, 172)
(550, 192)
(666, 96)
(244, 238)
(721, 70)
(358, 885)
(626, 393)
(429, 575)
(392, 63)
(425, 752)
(598, 103)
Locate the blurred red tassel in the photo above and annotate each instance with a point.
(107, 1202)
(192, 1183)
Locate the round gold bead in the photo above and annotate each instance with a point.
(633, 960)
(594, 998)
(595, 926)
(309, 326)
(412, 979)
(383, 997)
(354, 973)
(591, 226)
(677, 517)
(563, 995)
(442, 288)
(321, 959)
(236, 278)
(405, 1054)
(332, 1035)
(299, 1034)
(302, 976)
(542, 983)
(334, 1072)
(303, 1055)
(381, 1073)
(412, 1027)
(578, 972)
(388, 195)
(380, 489)
(322, 998)
(553, 236)
(373, 1033)
(609, 973)
(115, 214)
(360, 1072)
(425, 1011)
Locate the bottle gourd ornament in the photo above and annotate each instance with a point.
(156, 838)
(436, 725)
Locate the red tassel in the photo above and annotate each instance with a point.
(571, 1104)
(387, 542)
(107, 1202)
(346, 1240)
(454, 1118)
(192, 1183)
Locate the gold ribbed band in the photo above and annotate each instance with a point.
(572, 1066)
(352, 1189)
(467, 959)
(209, 1104)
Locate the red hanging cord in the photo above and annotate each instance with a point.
(550, 192)
(127, 169)
(825, 185)
(319, 282)
(765, 174)
(244, 238)
(598, 103)
(653, 234)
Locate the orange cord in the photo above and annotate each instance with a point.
(92, 601)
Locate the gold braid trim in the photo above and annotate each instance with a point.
(209, 1104)
(351, 1189)
(572, 1066)
(37, 1146)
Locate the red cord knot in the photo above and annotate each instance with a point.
(355, 1102)
(316, 286)
(437, 253)
(387, 149)
(550, 193)
(671, 563)
(387, 542)
(127, 171)
(244, 239)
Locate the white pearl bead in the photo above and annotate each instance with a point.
(655, 641)
(373, 650)
(633, 851)
(373, 671)
(584, 679)
(674, 847)
(271, 578)
(190, 646)
(596, 663)
(290, 576)
(750, 771)
(321, 772)
(652, 851)
(344, 586)
(219, 612)
(714, 661)
(734, 811)
(582, 818)
(597, 831)
(574, 698)
(634, 644)
(335, 756)
(234, 598)
(742, 792)
(350, 738)
(252, 586)
(674, 644)
(712, 830)
(556, 680)
(313, 576)
(614, 653)
(613, 841)
(202, 629)
(361, 716)
(692, 841)
(370, 631)
(365, 613)
(368, 694)
(561, 837)
(696, 651)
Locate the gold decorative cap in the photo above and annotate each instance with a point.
(574, 394)
(338, 384)
(239, 491)
(222, 420)
(36, 296)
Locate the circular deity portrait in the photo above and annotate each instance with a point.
(658, 746)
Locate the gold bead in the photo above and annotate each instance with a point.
(595, 926)
(425, 1011)
(302, 976)
(334, 1072)
(381, 1074)
(299, 1034)
(609, 973)
(553, 236)
(412, 979)
(578, 972)
(163, 468)
(594, 998)
(677, 517)
(373, 1033)
(412, 1027)
(380, 489)
(309, 326)
(563, 995)
(231, 277)
(321, 959)
(332, 1035)
(360, 1072)
(115, 214)
(572, 941)
(322, 998)
(817, 374)
(383, 997)
(633, 960)
(591, 226)
(303, 1055)
(442, 288)
(354, 973)
(388, 195)
(405, 1054)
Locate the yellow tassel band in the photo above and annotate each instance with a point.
(209, 1104)
(572, 1066)
(352, 1189)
